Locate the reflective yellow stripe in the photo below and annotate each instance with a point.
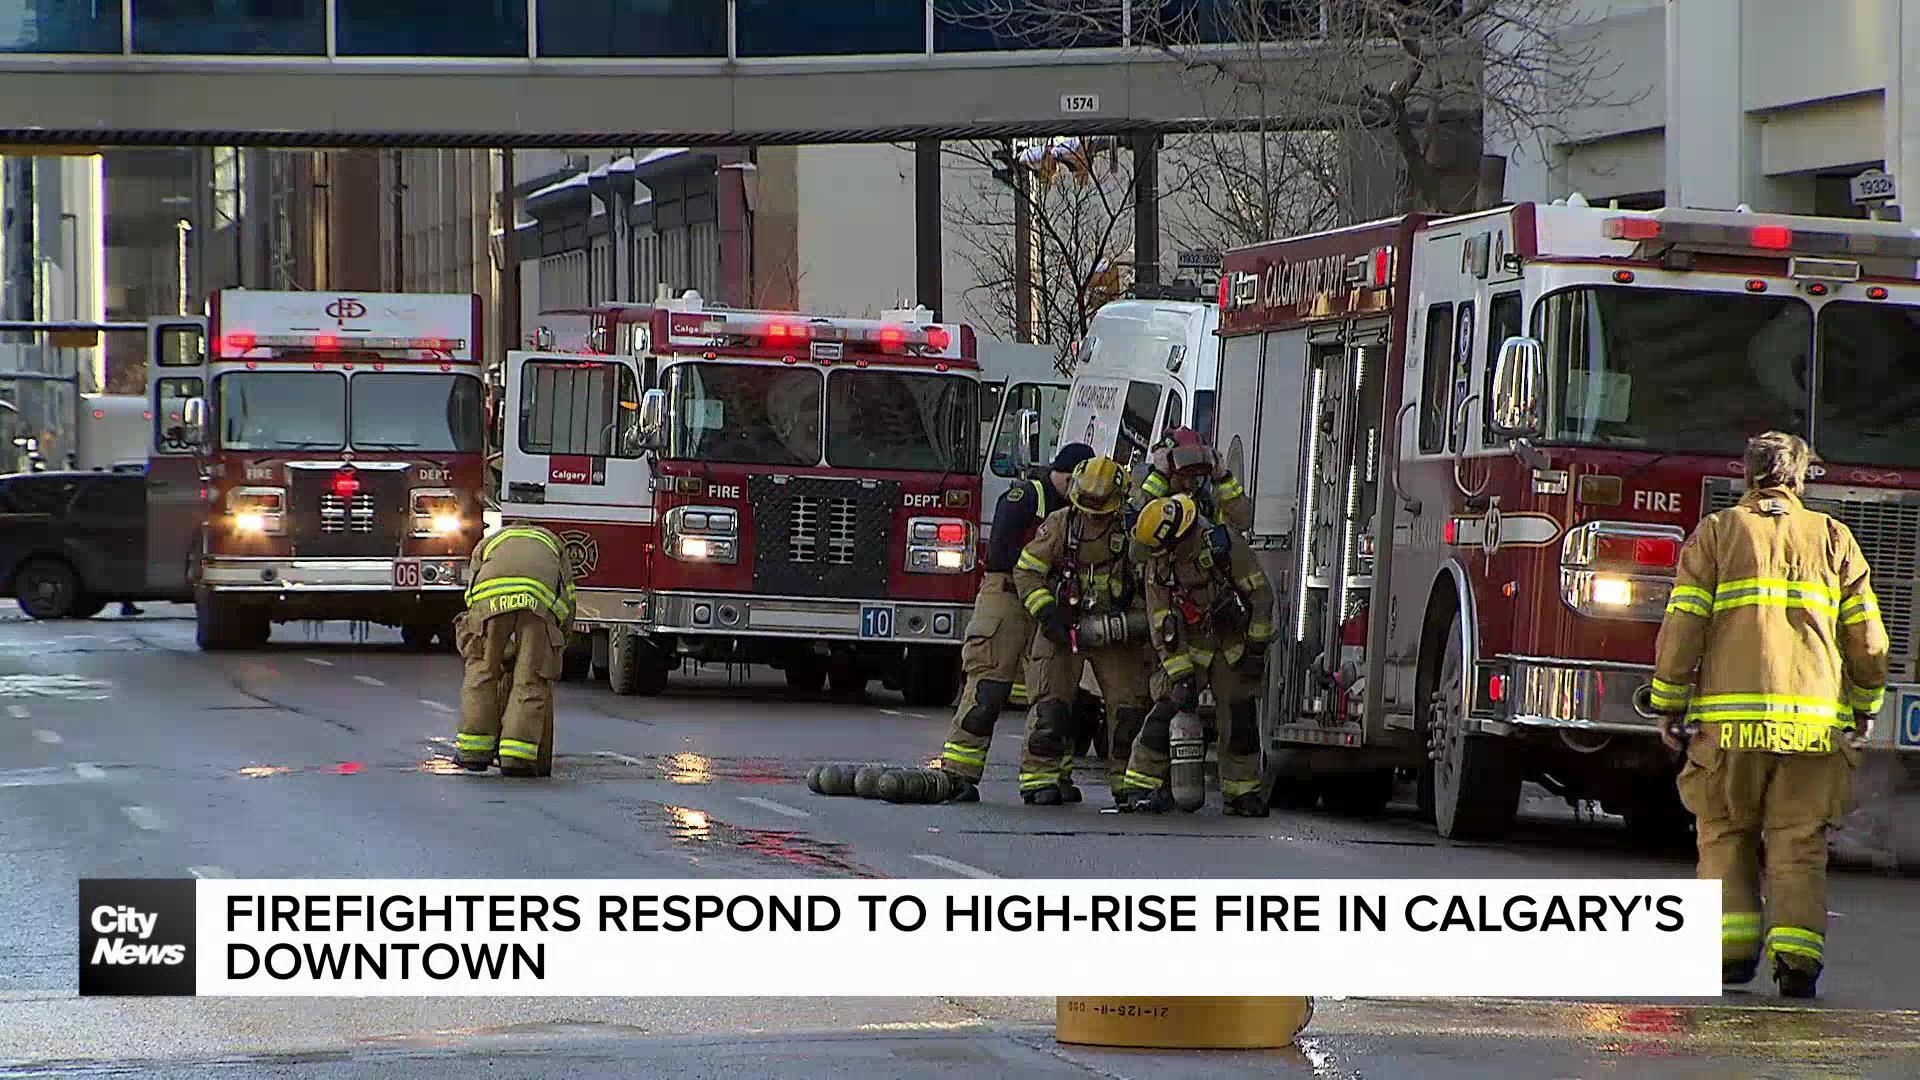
(1202, 658)
(497, 587)
(1177, 665)
(1229, 489)
(1867, 700)
(1032, 780)
(1693, 592)
(466, 741)
(1776, 592)
(1161, 614)
(1144, 781)
(514, 748)
(486, 552)
(1797, 942)
(1154, 486)
(1691, 599)
(1038, 601)
(1259, 632)
(1029, 561)
(1859, 609)
(1233, 789)
(1668, 696)
(1252, 581)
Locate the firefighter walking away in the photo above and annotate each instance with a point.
(511, 637)
(1769, 669)
(1000, 632)
(1077, 581)
(1210, 611)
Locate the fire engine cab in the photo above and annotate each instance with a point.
(1476, 445)
(316, 456)
(759, 487)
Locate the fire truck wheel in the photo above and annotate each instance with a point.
(576, 660)
(848, 682)
(1362, 794)
(1656, 818)
(418, 638)
(47, 589)
(1474, 780)
(634, 664)
(932, 677)
(221, 625)
(804, 676)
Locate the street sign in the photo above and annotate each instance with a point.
(1872, 186)
(1079, 103)
(1201, 260)
(1909, 734)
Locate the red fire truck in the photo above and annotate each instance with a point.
(316, 456)
(1476, 445)
(758, 487)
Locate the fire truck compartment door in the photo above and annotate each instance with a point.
(573, 434)
(177, 348)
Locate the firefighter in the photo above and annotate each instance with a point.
(1078, 583)
(520, 599)
(1000, 632)
(1770, 666)
(1211, 616)
(1183, 464)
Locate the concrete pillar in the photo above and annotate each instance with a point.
(1709, 143)
(1146, 209)
(926, 225)
(1901, 108)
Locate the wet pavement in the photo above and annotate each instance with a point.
(129, 753)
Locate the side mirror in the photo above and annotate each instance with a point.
(193, 422)
(1028, 449)
(653, 419)
(1519, 381)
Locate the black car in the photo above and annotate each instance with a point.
(73, 542)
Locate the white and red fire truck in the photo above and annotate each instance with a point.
(760, 487)
(1476, 445)
(316, 456)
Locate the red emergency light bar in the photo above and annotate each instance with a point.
(783, 333)
(1762, 237)
(240, 342)
(346, 484)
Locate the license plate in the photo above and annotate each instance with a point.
(406, 573)
(876, 622)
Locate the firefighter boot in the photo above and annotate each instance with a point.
(965, 788)
(1144, 801)
(1738, 972)
(1045, 796)
(1795, 981)
(1252, 804)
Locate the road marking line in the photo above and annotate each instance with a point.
(143, 818)
(18, 712)
(954, 865)
(779, 808)
(87, 770)
(51, 738)
(893, 712)
(368, 679)
(209, 871)
(437, 705)
(317, 662)
(623, 759)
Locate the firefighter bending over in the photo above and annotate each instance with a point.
(520, 602)
(1211, 612)
(1077, 581)
(1183, 464)
(1773, 604)
(1000, 632)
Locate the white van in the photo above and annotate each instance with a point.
(1014, 379)
(1147, 364)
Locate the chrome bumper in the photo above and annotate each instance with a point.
(267, 574)
(602, 609)
(735, 615)
(1571, 695)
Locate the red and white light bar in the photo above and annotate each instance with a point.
(798, 331)
(1727, 233)
(239, 344)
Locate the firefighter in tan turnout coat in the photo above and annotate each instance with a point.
(1772, 663)
(519, 604)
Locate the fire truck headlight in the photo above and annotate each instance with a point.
(250, 521)
(446, 524)
(695, 547)
(1612, 591)
(949, 560)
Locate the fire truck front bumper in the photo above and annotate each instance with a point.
(1538, 693)
(229, 573)
(734, 615)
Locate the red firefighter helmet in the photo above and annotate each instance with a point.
(1187, 452)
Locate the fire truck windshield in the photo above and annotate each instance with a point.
(1869, 392)
(1673, 370)
(281, 410)
(902, 420)
(416, 411)
(750, 414)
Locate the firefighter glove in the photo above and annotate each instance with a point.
(1185, 694)
(1675, 731)
(1053, 623)
(1862, 730)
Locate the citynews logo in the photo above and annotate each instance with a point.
(136, 937)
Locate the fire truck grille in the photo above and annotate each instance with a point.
(1888, 529)
(371, 522)
(819, 536)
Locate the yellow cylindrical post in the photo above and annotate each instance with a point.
(1182, 1023)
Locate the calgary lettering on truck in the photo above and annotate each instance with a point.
(796, 490)
(316, 456)
(1477, 444)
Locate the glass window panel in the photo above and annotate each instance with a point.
(432, 27)
(231, 27)
(958, 26)
(846, 27)
(1213, 22)
(633, 28)
(59, 26)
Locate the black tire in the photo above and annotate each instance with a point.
(848, 682)
(417, 637)
(804, 677)
(635, 664)
(932, 677)
(221, 625)
(48, 589)
(1474, 787)
(1364, 794)
(576, 661)
(1294, 793)
(1656, 818)
(90, 607)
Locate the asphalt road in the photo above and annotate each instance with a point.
(130, 754)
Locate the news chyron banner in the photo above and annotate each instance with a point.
(863, 938)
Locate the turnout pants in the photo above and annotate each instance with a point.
(1745, 802)
(1234, 714)
(992, 660)
(1054, 675)
(506, 710)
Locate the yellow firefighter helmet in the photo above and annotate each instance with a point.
(1164, 521)
(1099, 486)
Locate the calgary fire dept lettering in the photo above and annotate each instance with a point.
(1660, 502)
(1290, 284)
(1098, 397)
